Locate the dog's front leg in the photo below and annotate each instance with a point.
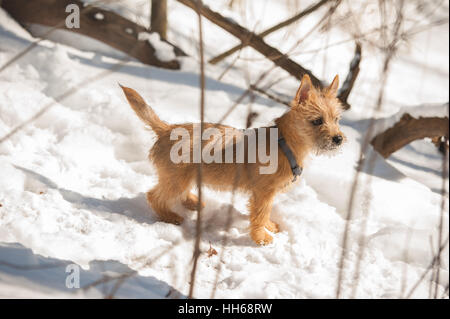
(260, 206)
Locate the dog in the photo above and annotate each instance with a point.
(310, 125)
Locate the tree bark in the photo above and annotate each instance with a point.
(255, 42)
(353, 72)
(407, 130)
(158, 21)
(102, 25)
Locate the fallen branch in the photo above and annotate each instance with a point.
(255, 42)
(102, 25)
(277, 27)
(441, 143)
(407, 130)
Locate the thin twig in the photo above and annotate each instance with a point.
(200, 166)
(228, 68)
(406, 261)
(269, 95)
(389, 54)
(433, 271)
(32, 267)
(229, 217)
(430, 266)
(445, 293)
(280, 25)
(62, 97)
(441, 222)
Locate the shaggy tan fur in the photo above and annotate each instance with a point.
(302, 133)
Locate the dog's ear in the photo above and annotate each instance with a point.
(304, 90)
(332, 90)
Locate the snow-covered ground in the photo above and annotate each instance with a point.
(73, 181)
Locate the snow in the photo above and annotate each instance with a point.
(433, 110)
(74, 180)
(47, 278)
(81, 42)
(99, 16)
(164, 51)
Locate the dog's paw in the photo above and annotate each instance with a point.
(172, 218)
(191, 202)
(273, 227)
(261, 237)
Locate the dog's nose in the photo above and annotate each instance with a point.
(337, 139)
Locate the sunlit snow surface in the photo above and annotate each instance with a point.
(73, 182)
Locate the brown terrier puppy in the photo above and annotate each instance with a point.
(310, 125)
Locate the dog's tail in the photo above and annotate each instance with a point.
(145, 112)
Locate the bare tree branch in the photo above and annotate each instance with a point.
(353, 72)
(276, 27)
(270, 96)
(255, 42)
(158, 18)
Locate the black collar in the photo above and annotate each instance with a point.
(296, 170)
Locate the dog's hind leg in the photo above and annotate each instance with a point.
(191, 201)
(272, 226)
(162, 197)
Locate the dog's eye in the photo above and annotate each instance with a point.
(317, 122)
